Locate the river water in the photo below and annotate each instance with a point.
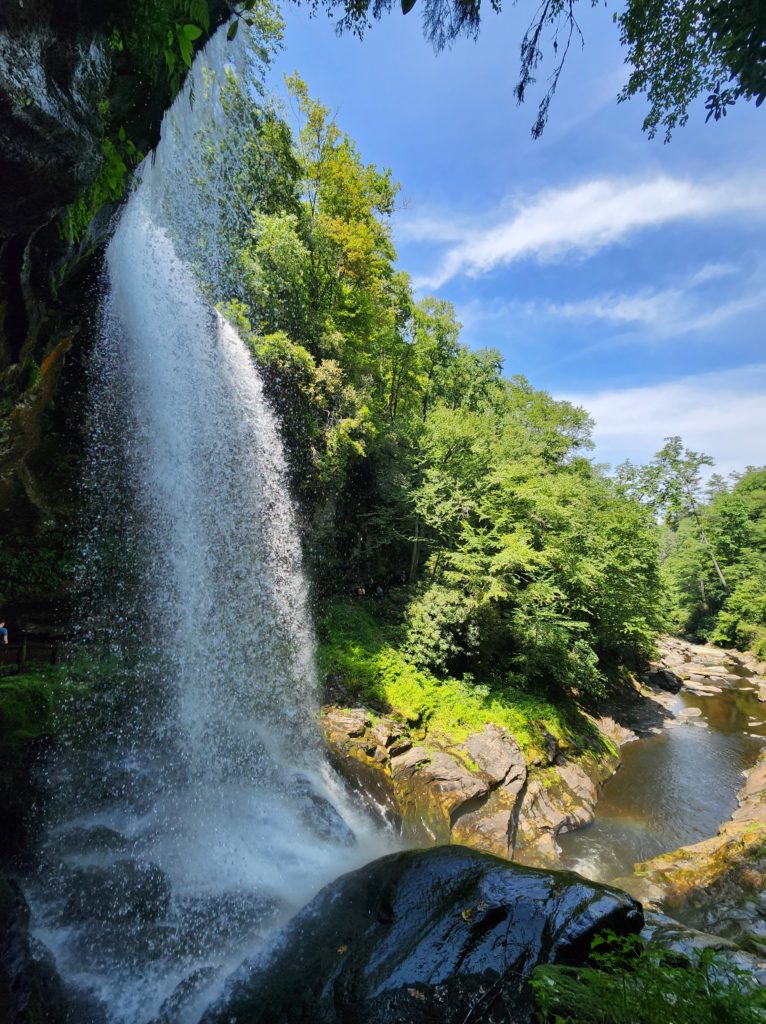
(673, 788)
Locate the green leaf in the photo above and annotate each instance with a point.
(232, 31)
(191, 32)
(184, 45)
(407, 6)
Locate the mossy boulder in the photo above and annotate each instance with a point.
(478, 792)
(437, 791)
(28, 706)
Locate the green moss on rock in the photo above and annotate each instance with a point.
(29, 706)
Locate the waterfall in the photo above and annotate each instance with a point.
(192, 807)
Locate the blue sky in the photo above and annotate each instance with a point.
(620, 272)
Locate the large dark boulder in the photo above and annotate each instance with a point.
(31, 991)
(447, 935)
(664, 678)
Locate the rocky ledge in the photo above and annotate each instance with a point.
(31, 991)
(703, 669)
(480, 793)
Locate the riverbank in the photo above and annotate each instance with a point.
(485, 786)
(717, 885)
(701, 702)
(504, 770)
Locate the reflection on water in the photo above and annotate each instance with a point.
(674, 788)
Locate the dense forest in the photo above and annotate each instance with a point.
(455, 523)
(460, 502)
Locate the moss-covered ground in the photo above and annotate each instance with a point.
(359, 651)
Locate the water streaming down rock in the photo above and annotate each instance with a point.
(193, 807)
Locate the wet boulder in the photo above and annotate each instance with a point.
(664, 678)
(124, 890)
(78, 839)
(425, 935)
(183, 995)
(319, 815)
(30, 988)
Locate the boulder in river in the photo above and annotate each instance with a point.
(124, 890)
(428, 935)
(664, 678)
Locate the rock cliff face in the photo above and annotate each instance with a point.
(30, 989)
(61, 80)
(479, 793)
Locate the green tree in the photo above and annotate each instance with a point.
(672, 484)
(733, 527)
(537, 565)
(677, 49)
(413, 456)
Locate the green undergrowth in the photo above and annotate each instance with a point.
(359, 650)
(29, 702)
(629, 980)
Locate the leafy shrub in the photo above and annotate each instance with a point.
(440, 628)
(363, 652)
(631, 981)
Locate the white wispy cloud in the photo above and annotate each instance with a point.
(425, 228)
(714, 272)
(580, 219)
(690, 306)
(722, 414)
(668, 312)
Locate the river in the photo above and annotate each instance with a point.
(674, 787)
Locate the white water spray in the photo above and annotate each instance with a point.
(195, 806)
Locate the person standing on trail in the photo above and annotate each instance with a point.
(3, 632)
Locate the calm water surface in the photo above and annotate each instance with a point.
(674, 788)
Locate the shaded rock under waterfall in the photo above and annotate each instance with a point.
(444, 935)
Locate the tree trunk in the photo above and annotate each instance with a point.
(415, 551)
(707, 544)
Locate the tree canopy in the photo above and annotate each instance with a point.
(419, 466)
(677, 50)
(713, 544)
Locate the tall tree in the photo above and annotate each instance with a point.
(672, 484)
